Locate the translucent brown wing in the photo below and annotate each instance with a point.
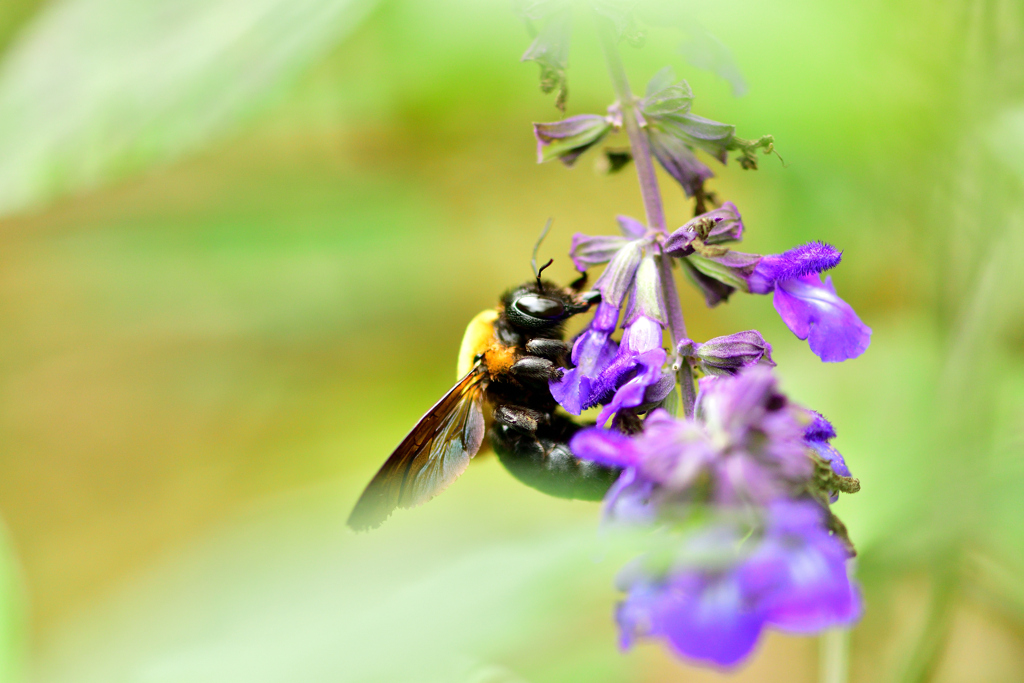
(431, 457)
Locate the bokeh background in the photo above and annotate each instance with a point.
(240, 239)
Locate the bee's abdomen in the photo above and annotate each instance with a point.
(543, 460)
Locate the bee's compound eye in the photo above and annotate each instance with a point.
(541, 307)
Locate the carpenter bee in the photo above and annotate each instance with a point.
(507, 356)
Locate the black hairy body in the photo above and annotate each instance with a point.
(514, 352)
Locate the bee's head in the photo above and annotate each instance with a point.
(539, 304)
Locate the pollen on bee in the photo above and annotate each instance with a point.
(499, 359)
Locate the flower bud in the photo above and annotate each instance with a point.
(727, 355)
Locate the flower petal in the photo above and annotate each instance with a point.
(632, 393)
(730, 226)
(631, 227)
(569, 138)
(678, 160)
(617, 277)
(812, 310)
(592, 352)
(800, 571)
(820, 429)
(605, 447)
(593, 250)
(645, 298)
(702, 619)
(813, 257)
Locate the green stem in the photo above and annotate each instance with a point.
(834, 655)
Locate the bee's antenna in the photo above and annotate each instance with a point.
(533, 261)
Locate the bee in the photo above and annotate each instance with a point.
(508, 355)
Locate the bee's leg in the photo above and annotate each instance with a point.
(535, 368)
(553, 349)
(518, 418)
(543, 461)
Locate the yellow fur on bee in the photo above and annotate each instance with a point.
(499, 359)
(478, 338)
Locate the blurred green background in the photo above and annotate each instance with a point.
(239, 242)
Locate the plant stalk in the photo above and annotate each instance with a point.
(641, 151)
(677, 330)
(834, 655)
(638, 144)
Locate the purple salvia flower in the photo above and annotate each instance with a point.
(817, 434)
(746, 445)
(811, 308)
(593, 379)
(567, 139)
(724, 587)
(807, 259)
(592, 352)
(800, 570)
(635, 379)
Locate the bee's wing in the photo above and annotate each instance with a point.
(431, 457)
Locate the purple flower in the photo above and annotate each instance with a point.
(746, 445)
(717, 226)
(811, 308)
(728, 582)
(592, 352)
(593, 250)
(817, 434)
(807, 259)
(635, 379)
(567, 139)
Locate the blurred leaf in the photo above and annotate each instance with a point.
(95, 90)
(550, 49)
